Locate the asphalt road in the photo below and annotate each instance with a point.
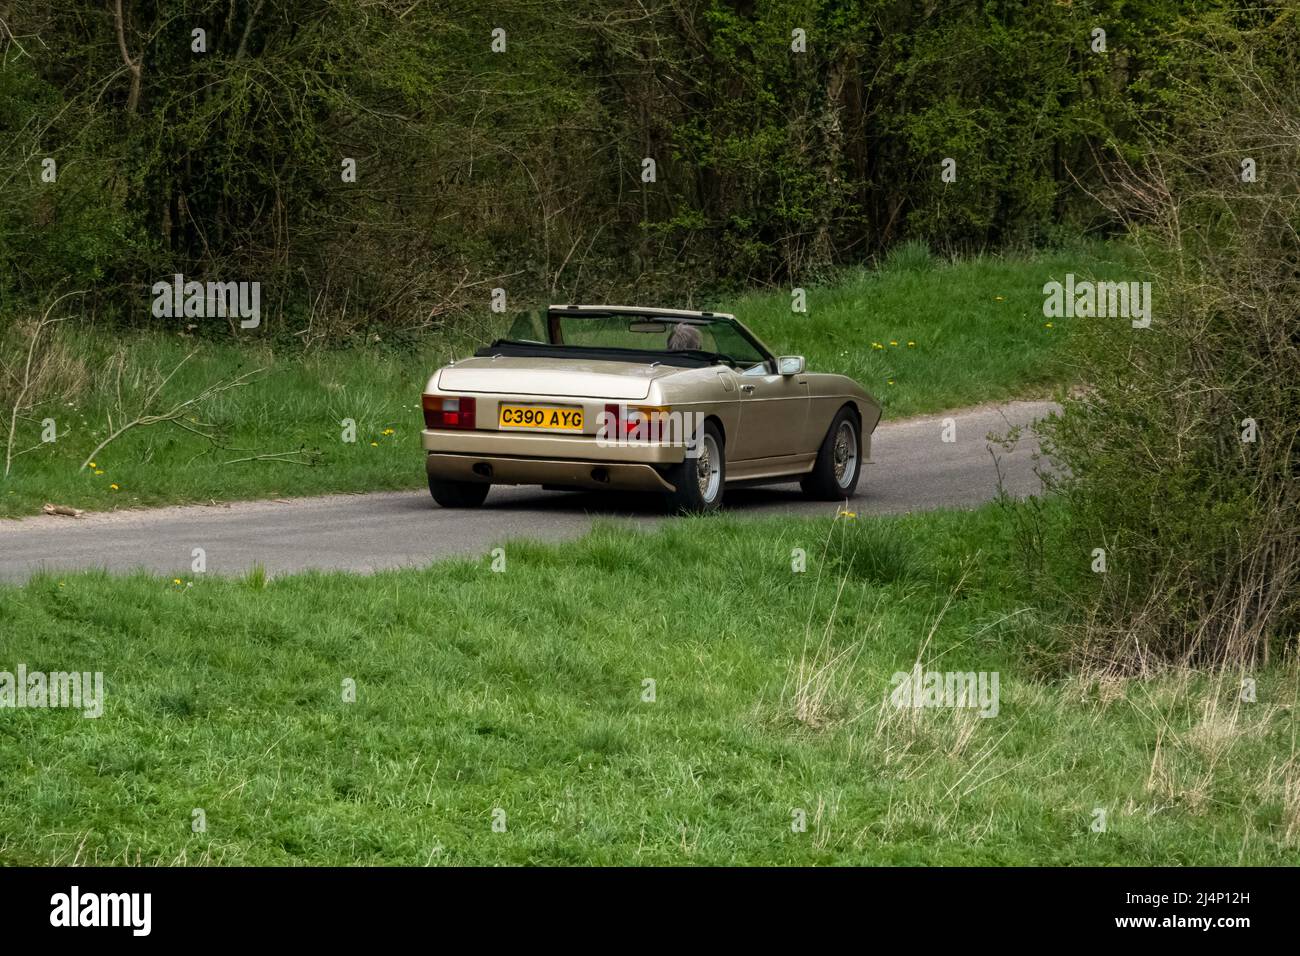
(913, 469)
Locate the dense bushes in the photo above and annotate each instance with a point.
(523, 168)
(1182, 451)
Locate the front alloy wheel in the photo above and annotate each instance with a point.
(839, 461)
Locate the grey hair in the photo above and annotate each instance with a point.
(684, 337)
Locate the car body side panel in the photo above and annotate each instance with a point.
(830, 393)
(701, 392)
(773, 417)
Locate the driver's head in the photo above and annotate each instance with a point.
(683, 337)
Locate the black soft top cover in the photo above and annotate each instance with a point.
(678, 359)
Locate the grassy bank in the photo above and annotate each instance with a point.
(524, 692)
(920, 335)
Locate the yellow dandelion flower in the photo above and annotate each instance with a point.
(911, 345)
(388, 431)
(176, 580)
(1000, 298)
(115, 487)
(92, 464)
(374, 444)
(847, 514)
(99, 471)
(1048, 325)
(893, 343)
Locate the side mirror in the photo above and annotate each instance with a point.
(789, 365)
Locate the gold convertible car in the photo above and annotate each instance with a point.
(617, 397)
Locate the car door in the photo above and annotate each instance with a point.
(773, 415)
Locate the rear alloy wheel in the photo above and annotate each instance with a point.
(458, 494)
(699, 480)
(839, 461)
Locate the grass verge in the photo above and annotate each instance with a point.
(521, 698)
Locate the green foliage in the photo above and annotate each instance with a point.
(1180, 458)
(910, 256)
(478, 168)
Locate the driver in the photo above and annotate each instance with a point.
(684, 337)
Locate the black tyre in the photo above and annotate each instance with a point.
(839, 461)
(458, 494)
(700, 480)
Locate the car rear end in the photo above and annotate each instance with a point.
(564, 423)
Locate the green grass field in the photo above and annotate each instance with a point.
(518, 698)
(921, 335)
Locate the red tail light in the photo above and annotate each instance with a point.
(610, 424)
(637, 422)
(440, 412)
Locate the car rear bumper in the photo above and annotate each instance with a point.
(578, 461)
(562, 472)
(549, 445)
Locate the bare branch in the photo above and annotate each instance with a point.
(133, 98)
(248, 29)
(145, 418)
(31, 372)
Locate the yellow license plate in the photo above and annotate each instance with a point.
(540, 416)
